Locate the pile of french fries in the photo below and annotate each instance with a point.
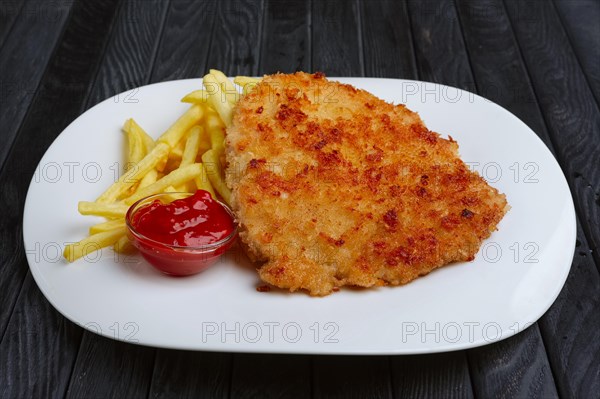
(186, 157)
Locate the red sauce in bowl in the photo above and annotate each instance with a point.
(183, 236)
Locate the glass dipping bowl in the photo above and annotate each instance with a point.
(172, 259)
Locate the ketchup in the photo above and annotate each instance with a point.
(195, 221)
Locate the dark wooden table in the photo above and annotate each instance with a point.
(539, 59)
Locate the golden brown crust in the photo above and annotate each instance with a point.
(333, 186)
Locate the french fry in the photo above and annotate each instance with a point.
(217, 98)
(214, 172)
(202, 183)
(92, 243)
(147, 141)
(148, 179)
(114, 210)
(231, 93)
(136, 150)
(215, 128)
(106, 226)
(196, 97)
(123, 245)
(133, 175)
(175, 178)
(181, 126)
(247, 83)
(192, 144)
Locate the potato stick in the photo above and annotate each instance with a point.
(195, 97)
(247, 83)
(175, 178)
(148, 141)
(123, 245)
(170, 189)
(177, 151)
(135, 146)
(215, 174)
(231, 93)
(181, 126)
(245, 80)
(115, 210)
(217, 99)
(134, 174)
(215, 128)
(106, 226)
(92, 243)
(202, 183)
(192, 144)
(148, 179)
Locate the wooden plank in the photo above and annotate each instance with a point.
(571, 328)
(514, 368)
(9, 10)
(336, 38)
(44, 350)
(270, 376)
(103, 367)
(580, 19)
(132, 50)
(181, 374)
(23, 58)
(490, 38)
(37, 351)
(568, 106)
(436, 30)
(337, 51)
(444, 375)
(350, 377)
(439, 46)
(107, 369)
(62, 92)
(387, 40)
(235, 44)
(286, 37)
(185, 41)
(188, 48)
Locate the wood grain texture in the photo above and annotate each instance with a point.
(270, 376)
(390, 36)
(568, 106)
(9, 10)
(185, 40)
(349, 377)
(514, 368)
(444, 375)
(571, 328)
(388, 49)
(439, 46)
(132, 49)
(436, 28)
(580, 19)
(181, 374)
(38, 349)
(103, 367)
(109, 369)
(491, 42)
(23, 58)
(37, 343)
(336, 38)
(235, 44)
(286, 45)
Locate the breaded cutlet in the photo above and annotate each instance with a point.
(333, 186)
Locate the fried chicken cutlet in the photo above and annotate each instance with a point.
(333, 186)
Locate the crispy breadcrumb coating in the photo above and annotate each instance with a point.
(333, 186)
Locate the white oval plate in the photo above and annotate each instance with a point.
(514, 279)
